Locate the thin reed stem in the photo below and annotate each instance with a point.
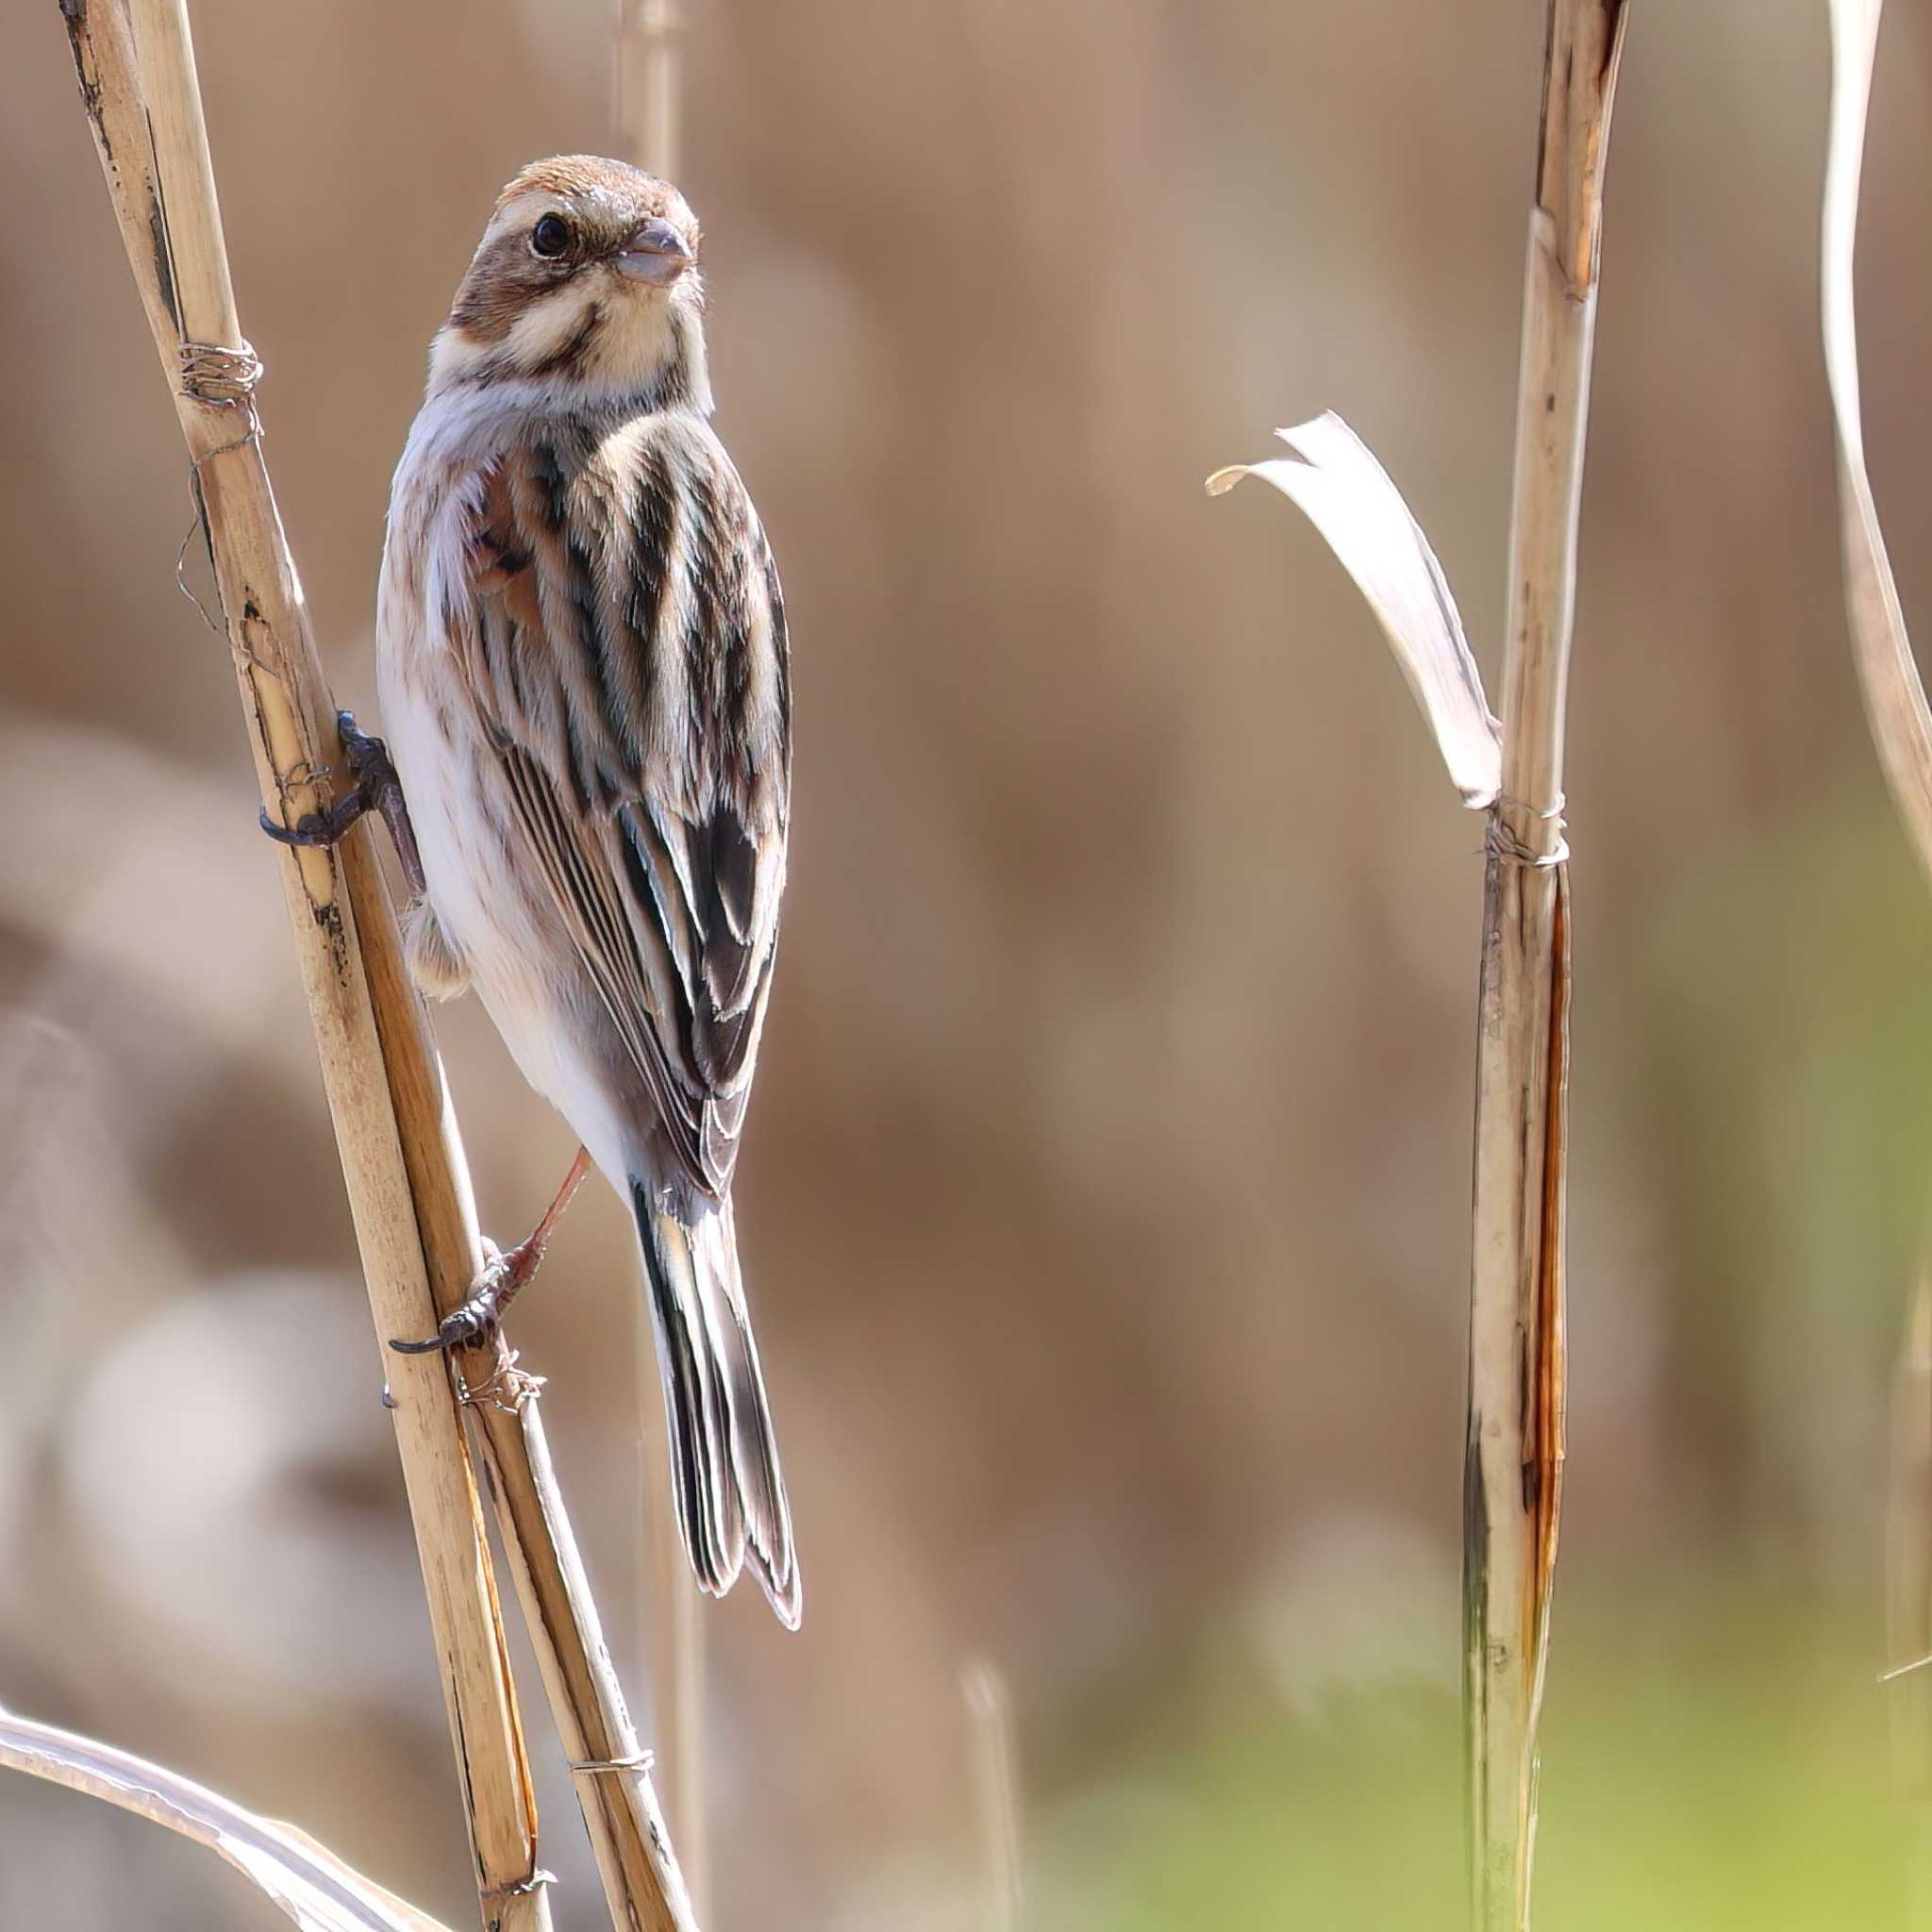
(670, 1609)
(648, 36)
(995, 1793)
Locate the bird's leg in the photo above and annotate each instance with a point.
(504, 1277)
(376, 788)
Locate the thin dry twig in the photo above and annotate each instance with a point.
(1910, 1552)
(648, 34)
(646, 66)
(673, 1613)
(1908, 1593)
(408, 1185)
(312, 1886)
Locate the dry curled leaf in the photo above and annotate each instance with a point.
(311, 1885)
(1348, 496)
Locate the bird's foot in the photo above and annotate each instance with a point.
(504, 1277)
(476, 1320)
(376, 788)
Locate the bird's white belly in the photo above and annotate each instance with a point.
(484, 908)
(520, 971)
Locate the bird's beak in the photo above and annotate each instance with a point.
(655, 253)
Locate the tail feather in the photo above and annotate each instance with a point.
(730, 1493)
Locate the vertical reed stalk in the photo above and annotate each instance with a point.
(646, 117)
(408, 1189)
(1513, 1470)
(1514, 1466)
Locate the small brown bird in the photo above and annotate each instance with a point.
(583, 675)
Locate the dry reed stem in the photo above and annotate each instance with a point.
(308, 1883)
(1513, 1467)
(1513, 1470)
(408, 1186)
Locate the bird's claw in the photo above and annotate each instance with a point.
(312, 829)
(465, 1327)
(376, 788)
(505, 1274)
(476, 1322)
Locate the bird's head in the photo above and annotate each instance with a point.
(586, 278)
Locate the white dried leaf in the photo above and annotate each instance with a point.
(1348, 496)
(1894, 695)
(312, 1886)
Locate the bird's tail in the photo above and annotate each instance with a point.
(723, 1459)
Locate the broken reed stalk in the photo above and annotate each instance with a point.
(1901, 726)
(408, 1189)
(1514, 1461)
(645, 118)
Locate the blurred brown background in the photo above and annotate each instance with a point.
(1104, 1200)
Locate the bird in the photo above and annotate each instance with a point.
(583, 672)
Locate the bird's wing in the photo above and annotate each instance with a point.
(620, 632)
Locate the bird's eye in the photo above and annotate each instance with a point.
(551, 236)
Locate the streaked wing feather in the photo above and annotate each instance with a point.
(666, 871)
